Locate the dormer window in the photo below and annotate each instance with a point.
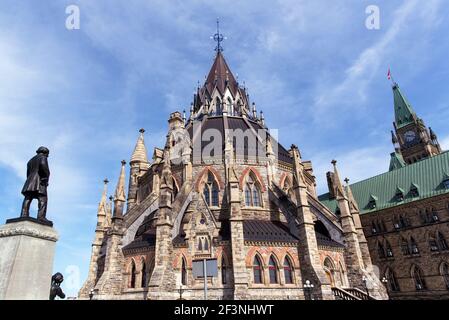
(414, 190)
(372, 202)
(446, 182)
(399, 194)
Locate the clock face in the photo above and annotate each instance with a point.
(409, 136)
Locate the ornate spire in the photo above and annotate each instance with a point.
(102, 206)
(120, 189)
(108, 220)
(218, 37)
(433, 136)
(394, 139)
(403, 111)
(140, 151)
(339, 191)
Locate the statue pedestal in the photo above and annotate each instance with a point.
(27, 250)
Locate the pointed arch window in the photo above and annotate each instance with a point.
(211, 191)
(132, 282)
(380, 250)
(257, 270)
(217, 106)
(272, 270)
(230, 106)
(183, 272)
(414, 246)
(203, 244)
(418, 278)
(374, 227)
(288, 271)
(392, 281)
(144, 275)
(389, 250)
(433, 244)
(252, 192)
(224, 279)
(442, 244)
(444, 270)
(405, 247)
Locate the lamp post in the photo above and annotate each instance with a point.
(91, 294)
(385, 282)
(181, 291)
(365, 280)
(308, 287)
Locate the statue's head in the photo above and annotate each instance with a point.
(43, 150)
(57, 278)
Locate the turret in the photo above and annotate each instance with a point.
(119, 197)
(138, 166)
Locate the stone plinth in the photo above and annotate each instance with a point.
(26, 260)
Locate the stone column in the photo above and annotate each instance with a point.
(26, 260)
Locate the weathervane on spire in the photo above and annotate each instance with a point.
(218, 37)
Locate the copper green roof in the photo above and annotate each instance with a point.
(427, 176)
(396, 161)
(403, 111)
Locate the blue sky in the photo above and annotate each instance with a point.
(313, 67)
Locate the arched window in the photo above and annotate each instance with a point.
(288, 271)
(217, 106)
(175, 189)
(392, 281)
(272, 269)
(203, 244)
(230, 107)
(389, 250)
(183, 272)
(144, 275)
(442, 244)
(380, 250)
(418, 278)
(329, 268)
(444, 270)
(414, 246)
(132, 283)
(211, 191)
(224, 279)
(252, 192)
(342, 275)
(404, 247)
(257, 270)
(433, 244)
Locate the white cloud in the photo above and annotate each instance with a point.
(357, 165)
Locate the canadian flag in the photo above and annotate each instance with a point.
(389, 74)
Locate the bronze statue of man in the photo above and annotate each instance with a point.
(36, 184)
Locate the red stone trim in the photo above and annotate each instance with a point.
(216, 175)
(256, 173)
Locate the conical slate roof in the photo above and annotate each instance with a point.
(140, 151)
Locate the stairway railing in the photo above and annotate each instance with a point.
(359, 293)
(343, 294)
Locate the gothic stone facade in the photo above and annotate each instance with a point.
(257, 214)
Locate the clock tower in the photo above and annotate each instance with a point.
(411, 138)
